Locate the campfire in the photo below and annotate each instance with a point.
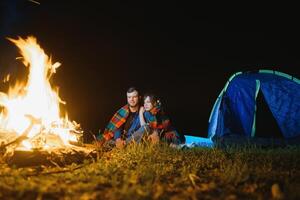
(30, 116)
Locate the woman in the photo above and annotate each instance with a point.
(160, 127)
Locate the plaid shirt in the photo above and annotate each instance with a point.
(116, 122)
(157, 119)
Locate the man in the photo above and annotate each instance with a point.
(125, 125)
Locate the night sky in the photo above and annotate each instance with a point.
(183, 52)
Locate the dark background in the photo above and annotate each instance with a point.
(184, 52)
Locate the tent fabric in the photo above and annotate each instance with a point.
(234, 112)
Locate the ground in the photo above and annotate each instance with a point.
(160, 172)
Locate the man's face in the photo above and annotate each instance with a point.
(133, 98)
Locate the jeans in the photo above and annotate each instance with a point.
(138, 134)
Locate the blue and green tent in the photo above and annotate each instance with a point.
(235, 110)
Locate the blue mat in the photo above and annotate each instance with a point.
(193, 141)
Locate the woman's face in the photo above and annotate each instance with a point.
(147, 104)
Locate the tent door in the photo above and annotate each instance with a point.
(266, 125)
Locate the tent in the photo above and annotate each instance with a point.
(250, 102)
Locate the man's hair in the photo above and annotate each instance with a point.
(132, 89)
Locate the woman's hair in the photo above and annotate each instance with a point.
(153, 98)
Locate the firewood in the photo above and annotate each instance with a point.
(53, 157)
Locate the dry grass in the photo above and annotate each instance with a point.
(160, 172)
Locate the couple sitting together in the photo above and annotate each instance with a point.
(134, 122)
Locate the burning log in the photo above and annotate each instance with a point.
(58, 155)
(23, 136)
(54, 157)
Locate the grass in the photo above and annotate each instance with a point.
(161, 172)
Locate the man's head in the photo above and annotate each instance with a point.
(133, 97)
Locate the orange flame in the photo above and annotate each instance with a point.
(32, 107)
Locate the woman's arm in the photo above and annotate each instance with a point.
(141, 116)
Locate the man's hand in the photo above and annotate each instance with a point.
(120, 143)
